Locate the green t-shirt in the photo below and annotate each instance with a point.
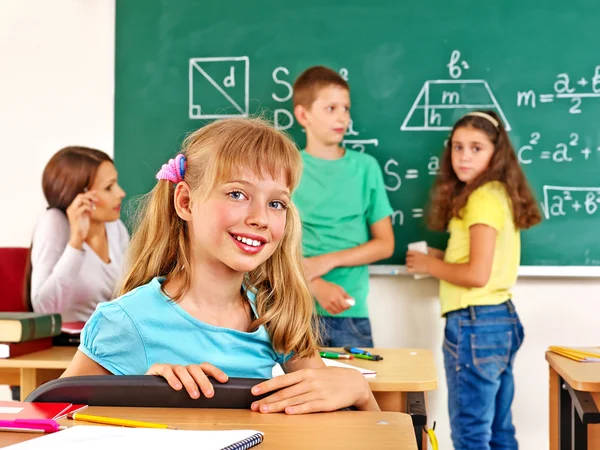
(338, 201)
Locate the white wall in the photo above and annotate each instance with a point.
(57, 87)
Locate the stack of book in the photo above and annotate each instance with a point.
(70, 334)
(582, 354)
(23, 333)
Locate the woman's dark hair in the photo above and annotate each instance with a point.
(68, 172)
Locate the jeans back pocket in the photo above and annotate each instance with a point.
(491, 353)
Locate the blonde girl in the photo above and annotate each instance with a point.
(216, 285)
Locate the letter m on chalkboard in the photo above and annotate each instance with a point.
(219, 87)
(441, 103)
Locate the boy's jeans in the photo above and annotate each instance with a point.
(480, 343)
(345, 331)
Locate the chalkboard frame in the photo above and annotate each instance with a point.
(524, 271)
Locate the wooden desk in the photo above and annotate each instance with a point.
(582, 377)
(401, 371)
(36, 368)
(338, 430)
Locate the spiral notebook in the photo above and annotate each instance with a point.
(102, 437)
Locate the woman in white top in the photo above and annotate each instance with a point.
(79, 244)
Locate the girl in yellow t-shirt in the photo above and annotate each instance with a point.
(482, 198)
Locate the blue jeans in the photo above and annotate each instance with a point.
(345, 331)
(480, 344)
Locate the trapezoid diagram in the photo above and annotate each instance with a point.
(441, 103)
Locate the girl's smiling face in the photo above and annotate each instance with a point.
(242, 222)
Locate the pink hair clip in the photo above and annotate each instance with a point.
(174, 170)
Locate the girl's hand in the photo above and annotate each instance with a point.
(312, 390)
(436, 253)
(417, 262)
(190, 377)
(79, 213)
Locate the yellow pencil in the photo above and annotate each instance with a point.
(118, 422)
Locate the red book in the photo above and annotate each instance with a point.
(36, 410)
(71, 409)
(72, 327)
(12, 349)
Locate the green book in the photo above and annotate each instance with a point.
(27, 326)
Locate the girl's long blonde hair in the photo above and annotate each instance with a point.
(160, 245)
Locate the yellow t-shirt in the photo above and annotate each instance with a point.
(488, 205)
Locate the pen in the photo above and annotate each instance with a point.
(369, 357)
(118, 422)
(331, 355)
(356, 351)
(30, 425)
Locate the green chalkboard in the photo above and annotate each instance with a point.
(413, 67)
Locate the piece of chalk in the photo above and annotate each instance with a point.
(351, 301)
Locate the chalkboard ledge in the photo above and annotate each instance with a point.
(524, 271)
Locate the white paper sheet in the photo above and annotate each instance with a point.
(103, 437)
(277, 370)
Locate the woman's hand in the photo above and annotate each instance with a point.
(190, 377)
(79, 213)
(313, 390)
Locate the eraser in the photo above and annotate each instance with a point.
(420, 247)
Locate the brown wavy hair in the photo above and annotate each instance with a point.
(68, 172)
(160, 245)
(450, 195)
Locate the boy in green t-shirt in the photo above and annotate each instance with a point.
(344, 208)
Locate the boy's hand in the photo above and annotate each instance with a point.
(190, 376)
(331, 297)
(313, 390)
(417, 262)
(317, 266)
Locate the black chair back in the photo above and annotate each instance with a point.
(143, 391)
